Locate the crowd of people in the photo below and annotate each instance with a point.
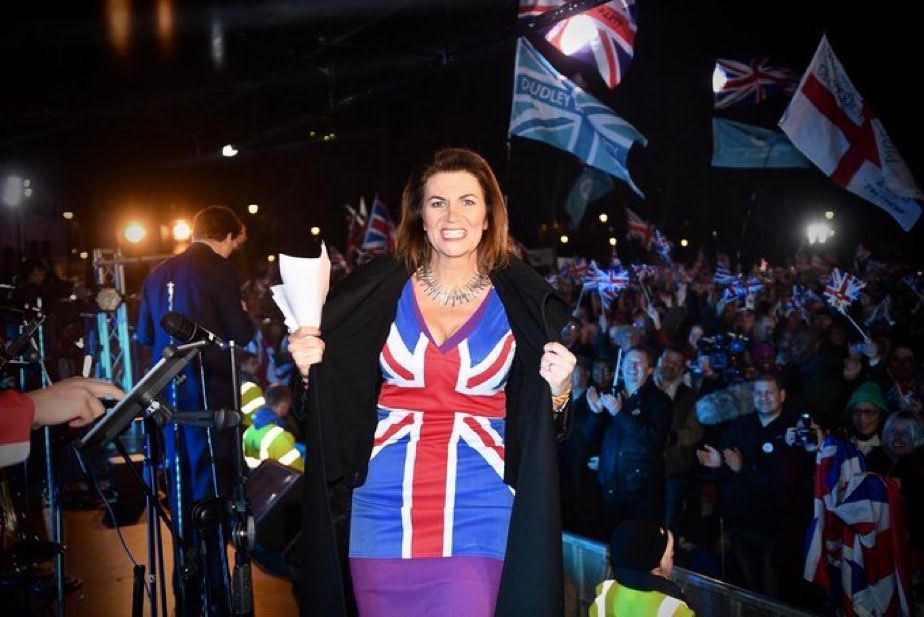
(726, 406)
(706, 399)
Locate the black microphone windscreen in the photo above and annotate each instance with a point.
(178, 326)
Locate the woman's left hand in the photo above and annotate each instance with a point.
(556, 366)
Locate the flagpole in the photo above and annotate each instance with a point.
(856, 325)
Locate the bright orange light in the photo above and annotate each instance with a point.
(165, 23)
(134, 232)
(119, 20)
(181, 231)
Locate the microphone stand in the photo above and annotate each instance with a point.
(243, 534)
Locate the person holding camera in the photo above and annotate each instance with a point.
(765, 466)
(631, 461)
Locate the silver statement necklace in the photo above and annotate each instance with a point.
(455, 295)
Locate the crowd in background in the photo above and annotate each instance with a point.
(767, 385)
(747, 390)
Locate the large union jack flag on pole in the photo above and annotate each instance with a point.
(550, 108)
(842, 289)
(749, 81)
(603, 35)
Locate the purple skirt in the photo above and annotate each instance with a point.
(426, 586)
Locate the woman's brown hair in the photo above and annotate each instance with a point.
(412, 245)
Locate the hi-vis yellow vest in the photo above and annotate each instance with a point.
(271, 441)
(615, 600)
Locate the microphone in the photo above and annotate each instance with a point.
(185, 330)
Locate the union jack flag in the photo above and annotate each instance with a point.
(590, 276)
(435, 481)
(723, 273)
(857, 540)
(603, 35)
(750, 81)
(742, 287)
(663, 246)
(574, 270)
(356, 225)
(842, 289)
(380, 231)
(643, 271)
(637, 227)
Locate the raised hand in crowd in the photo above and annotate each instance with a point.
(612, 404)
(733, 458)
(593, 399)
(709, 457)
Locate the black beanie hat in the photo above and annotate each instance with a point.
(637, 545)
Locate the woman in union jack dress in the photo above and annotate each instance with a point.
(453, 509)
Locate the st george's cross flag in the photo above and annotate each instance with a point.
(603, 35)
(828, 120)
(549, 107)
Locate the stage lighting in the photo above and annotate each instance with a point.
(68, 215)
(13, 191)
(578, 32)
(134, 232)
(563, 239)
(228, 151)
(818, 233)
(603, 217)
(108, 299)
(84, 254)
(683, 242)
(271, 258)
(181, 231)
(612, 241)
(315, 230)
(253, 208)
(829, 214)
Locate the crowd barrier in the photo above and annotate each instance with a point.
(586, 564)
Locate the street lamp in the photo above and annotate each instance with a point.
(228, 151)
(253, 208)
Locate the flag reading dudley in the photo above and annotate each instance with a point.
(550, 108)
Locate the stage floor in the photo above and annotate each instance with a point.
(95, 555)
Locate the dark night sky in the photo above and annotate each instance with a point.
(109, 133)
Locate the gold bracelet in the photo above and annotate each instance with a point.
(558, 402)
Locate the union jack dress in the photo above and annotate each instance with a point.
(429, 526)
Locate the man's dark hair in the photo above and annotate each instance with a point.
(276, 394)
(770, 377)
(641, 349)
(215, 223)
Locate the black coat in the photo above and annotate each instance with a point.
(344, 388)
(633, 443)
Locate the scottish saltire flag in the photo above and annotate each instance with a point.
(739, 145)
(751, 80)
(637, 227)
(828, 120)
(591, 184)
(380, 230)
(857, 541)
(842, 289)
(550, 108)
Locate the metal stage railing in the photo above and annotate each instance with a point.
(587, 564)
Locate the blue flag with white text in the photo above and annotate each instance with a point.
(735, 144)
(549, 107)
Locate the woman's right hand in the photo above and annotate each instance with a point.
(306, 347)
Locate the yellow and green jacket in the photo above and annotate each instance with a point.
(639, 594)
(251, 400)
(266, 438)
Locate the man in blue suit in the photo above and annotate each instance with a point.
(202, 284)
